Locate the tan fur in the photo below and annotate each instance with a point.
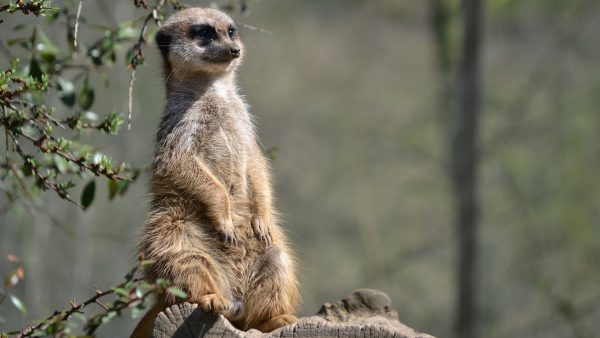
(212, 227)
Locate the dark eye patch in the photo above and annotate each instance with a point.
(205, 32)
(232, 32)
(163, 41)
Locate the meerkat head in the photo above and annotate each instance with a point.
(200, 40)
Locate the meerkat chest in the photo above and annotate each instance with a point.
(225, 134)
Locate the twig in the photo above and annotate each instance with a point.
(77, 24)
(254, 28)
(130, 104)
(133, 63)
(102, 305)
(5, 134)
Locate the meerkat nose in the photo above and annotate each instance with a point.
(235, 52)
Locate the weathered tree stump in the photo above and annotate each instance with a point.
(363, 313)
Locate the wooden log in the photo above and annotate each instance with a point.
(363, 313)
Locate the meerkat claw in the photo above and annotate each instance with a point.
(261, 231)
(230, 238)
(226, 229)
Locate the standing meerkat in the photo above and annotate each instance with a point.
(212, 228)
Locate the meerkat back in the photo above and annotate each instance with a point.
(212, 227)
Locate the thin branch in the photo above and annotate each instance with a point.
(134, 61)
(77, 24)
(130, 94)
(254, 28)
(102, 305)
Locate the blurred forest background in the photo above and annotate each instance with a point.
(354, 99)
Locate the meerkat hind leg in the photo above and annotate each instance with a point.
(180, 255)
(206, 286)
(273, 293)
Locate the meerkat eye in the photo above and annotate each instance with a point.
(231, 32)
(206, 32)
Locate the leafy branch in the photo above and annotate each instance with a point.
(37, 139)
(37, 8)
(130, 294)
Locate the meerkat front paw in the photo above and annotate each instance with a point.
(262, 229)
(227, 230)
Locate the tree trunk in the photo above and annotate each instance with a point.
(465, 169)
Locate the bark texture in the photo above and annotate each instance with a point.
(363, 313)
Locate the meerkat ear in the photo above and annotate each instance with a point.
(163, 41)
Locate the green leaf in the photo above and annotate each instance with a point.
(130, 55)
(91, 116)
(79, 316)
(96, 56)
(122, 187)
(67, 91)
(18, 304)
(126, 31)
(47, 50)
(49, 11)
(108, 317)
(53, 15)
(177, 292)
(139, 293)
(86, 95)
(138, 310)
(113, 189)
(11, 279)
(34, 70)
(121, 291)
(162, 283)
(61, 164)
(112, 123)
(19, 27)
(146, 262)
(87, 196)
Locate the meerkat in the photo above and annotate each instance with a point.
(212, 227)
